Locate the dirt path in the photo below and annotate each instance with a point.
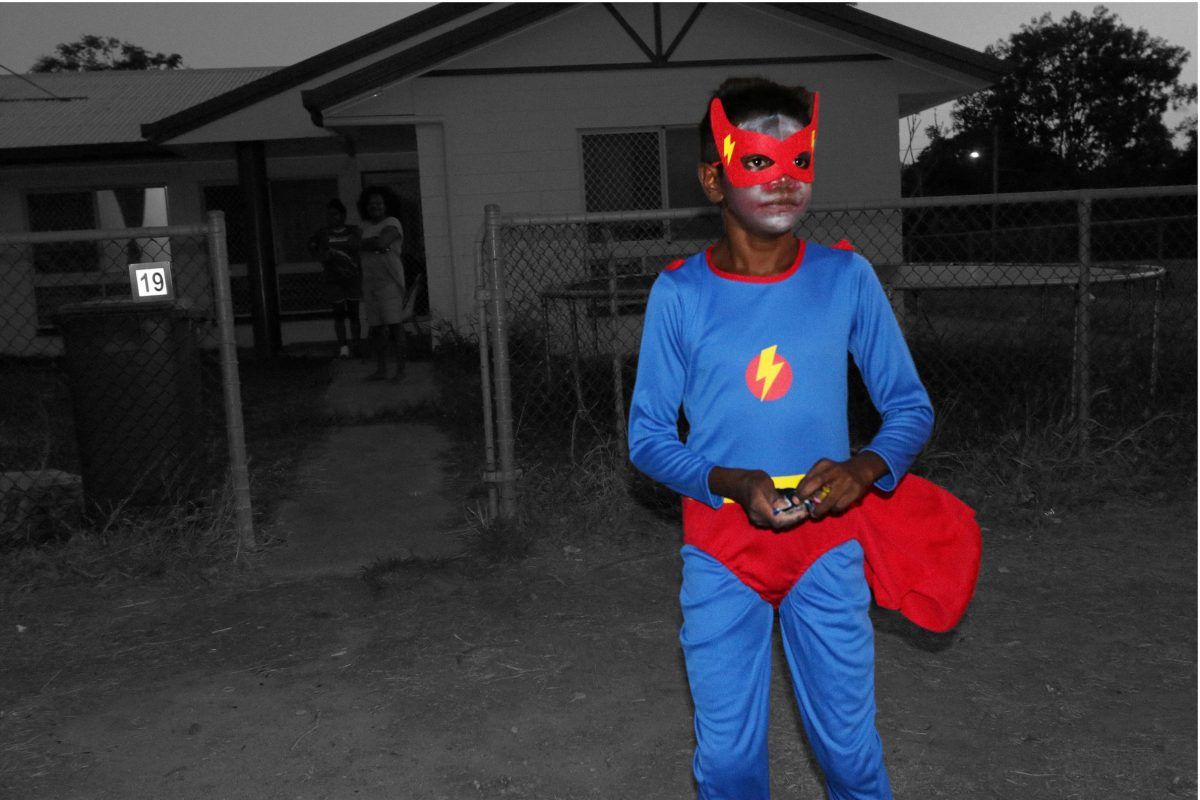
(1073, 676)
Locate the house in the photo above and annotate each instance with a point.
(538, 108)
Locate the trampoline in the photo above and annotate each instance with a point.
(915, 277)
(624, 297)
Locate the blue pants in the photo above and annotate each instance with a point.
(830, 649)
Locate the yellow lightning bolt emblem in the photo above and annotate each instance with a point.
(727, 148)
(768, 369)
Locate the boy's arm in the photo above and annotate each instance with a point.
(654, 445)
(891, 378)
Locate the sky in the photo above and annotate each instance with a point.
(976, 25)
(279, 34)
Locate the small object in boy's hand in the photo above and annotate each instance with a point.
(808, 504)
(812, 501)
(789, 495)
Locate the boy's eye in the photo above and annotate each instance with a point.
(756, 162)
(803, 160)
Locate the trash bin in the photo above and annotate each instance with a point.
(134, 373)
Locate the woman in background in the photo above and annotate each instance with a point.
(383, 276)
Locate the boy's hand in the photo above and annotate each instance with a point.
(755, 492)
(834, 486)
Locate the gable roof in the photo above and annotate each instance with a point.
(886, 36)
(302, 71)
(102, 113)
(80, 114)
(421, 57)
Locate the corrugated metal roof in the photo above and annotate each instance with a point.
(106, 107)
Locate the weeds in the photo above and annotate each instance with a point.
(192, 538)
(1037, 474)
(495, 540)
(399, 572)
(192, 533)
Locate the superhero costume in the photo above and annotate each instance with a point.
(760, 367)
(701, 326)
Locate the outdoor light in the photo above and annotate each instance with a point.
(974, 154)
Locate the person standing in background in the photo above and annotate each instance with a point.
(383, 276)
(336, 246)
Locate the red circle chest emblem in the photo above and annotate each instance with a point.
(768, 375)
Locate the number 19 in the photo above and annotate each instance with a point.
(152, 281)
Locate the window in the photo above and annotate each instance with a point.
(99, 209)
(297, 211)
(641, 170)
(229, 200)
(68, 272)
(622, 172)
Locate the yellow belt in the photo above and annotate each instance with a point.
(782, 482)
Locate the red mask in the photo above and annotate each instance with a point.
(734, 144)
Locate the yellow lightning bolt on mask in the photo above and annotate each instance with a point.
(768, 369)
(727, 148)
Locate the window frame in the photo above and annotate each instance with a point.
(100, 277)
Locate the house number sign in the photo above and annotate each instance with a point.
(152, 281)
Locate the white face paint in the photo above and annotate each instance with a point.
(771, 208)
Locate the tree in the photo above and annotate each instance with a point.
(92, 53)
(962, 164)
(1089, 91)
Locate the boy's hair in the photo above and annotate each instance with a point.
(337, 205)
(744, 98)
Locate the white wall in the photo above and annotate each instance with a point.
(514, 141)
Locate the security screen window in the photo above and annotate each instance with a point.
(66, 272)
(297, 210)
(643, 170)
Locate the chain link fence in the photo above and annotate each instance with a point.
(1020, 310)
(112, 401)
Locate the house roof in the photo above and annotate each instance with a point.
(417, 59)
(74, 110)
(900, 38)
(889, 37)
(88, 114)
(184, 120)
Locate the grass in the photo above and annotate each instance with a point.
(193, 538)
(283, 412)
(194, 535)
(1031, 477)
(1024, 462)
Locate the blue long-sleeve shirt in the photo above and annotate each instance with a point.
(760, 366)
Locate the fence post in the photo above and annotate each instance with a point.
(1154, 335)
(494, 256)
(618, 379)
(235, 429)
(485, 381)
(1083, 300)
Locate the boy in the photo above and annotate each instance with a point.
(336, 246)
(751, 338)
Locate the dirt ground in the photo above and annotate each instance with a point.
(1072, 676)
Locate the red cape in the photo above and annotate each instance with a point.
(922, 549)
